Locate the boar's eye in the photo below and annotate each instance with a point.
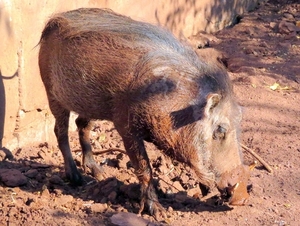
(219, 133)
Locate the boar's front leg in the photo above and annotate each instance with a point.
(84, 126)
(138, 156)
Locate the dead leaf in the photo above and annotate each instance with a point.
(102, 137)
(274, 86)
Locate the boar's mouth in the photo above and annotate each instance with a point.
(236, 195)
(233, 186)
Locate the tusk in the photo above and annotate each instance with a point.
(232, 189)
(235, 186)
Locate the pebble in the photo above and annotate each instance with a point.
(32, 173)
(170, 209)
(46, 193)
(2, 156)
(56, 180)
(288, 16)
(194, 192)
(12, 177)
(64, 199)
(285, 27)
(122, 163)
(177, 186)
(273, 25)
(112, 196)
(98, 207)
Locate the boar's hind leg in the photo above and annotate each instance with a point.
(137, 153)
(84, 127)
(61, 131)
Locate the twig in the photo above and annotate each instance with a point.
(266, 165)
(109, 150)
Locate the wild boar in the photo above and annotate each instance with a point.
(154, 88)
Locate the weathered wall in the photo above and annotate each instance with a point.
(24, 114)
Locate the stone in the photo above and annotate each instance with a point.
(285, 27)
(12, 177)
(130, 219)
(98, 207)
(56, 180)
(177, 186)
(112, 196)
(288, 16)
(64, 199)
(273, 25)
(32, 173)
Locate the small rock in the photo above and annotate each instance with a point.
(56, 180)
(57, 191)
(32, 173)
(46, 193)
(112, 196)
(163, 169)
(288, 16)
(12, 177)
(98, 207)
(273, 25)
(63, 200)
(185, 178)
(122, 163)
(130, 219)
(285, 27)
(248, 51)
(194, 192)
(42, 155)
(2, 156)
(170, 209)
(178, 186)
(38, 165)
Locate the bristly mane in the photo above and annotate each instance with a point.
(161, 46)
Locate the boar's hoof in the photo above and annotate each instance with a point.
(238, 194)
(155, 209)
(96, 170)
(74, 177)
(90, 165)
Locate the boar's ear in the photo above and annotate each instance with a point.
(212, 100)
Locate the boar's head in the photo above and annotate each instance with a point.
(220, 149)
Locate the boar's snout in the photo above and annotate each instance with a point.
(238, 194)
(233, 185)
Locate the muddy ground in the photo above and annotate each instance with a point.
(262, 55)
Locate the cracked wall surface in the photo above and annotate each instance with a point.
(24, 114)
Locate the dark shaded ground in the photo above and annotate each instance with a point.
(262, 54)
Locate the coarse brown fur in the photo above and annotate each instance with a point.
(106, 66)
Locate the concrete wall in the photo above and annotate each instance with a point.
(24, 114)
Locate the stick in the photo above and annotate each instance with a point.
(266, 165)
(109, 150)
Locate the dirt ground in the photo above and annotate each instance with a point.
(262, 55)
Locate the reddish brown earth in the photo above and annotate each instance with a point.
(262, 54)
